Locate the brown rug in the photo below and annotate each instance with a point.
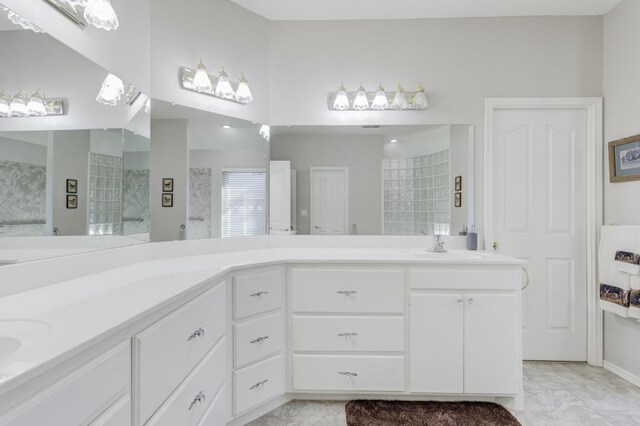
(431, 413)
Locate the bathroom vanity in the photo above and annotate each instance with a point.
(221, 332)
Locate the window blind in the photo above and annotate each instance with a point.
(243, 203)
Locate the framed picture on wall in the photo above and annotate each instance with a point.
(167, 185)
(624, 159)
(458, 182)
(72, 186)
(72, 201)
(458, 199)
(167, 200)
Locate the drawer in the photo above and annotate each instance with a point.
(190, 401)
(258, 383)
(169, 349)
(258, 338)
(348, 373)
(258, 292)
(348, 334)
(467, 278)
(119, 414)
(90, 390)
(344, 290)
(218, 412)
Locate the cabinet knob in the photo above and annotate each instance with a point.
(470, 300)
(460, 301)
(259, 339)
(259, 294)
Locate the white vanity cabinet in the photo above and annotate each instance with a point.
(259, 337)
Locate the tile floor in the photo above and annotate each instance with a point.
(556, 393)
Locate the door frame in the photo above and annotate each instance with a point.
(312, 171)
(594, 171)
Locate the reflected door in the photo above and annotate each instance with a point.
(539, 213)
(279, 196)
(329, 200)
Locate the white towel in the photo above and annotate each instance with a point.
(628, 247)
(634, 305)
(614, 284)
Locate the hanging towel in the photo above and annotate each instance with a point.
(626, 232)
(614, 284)
(627, 258)
(634, 304)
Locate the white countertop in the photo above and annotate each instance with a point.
(73, 315)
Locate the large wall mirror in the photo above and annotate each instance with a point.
(372, 180)
(76, 174)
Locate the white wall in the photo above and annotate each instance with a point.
(361, 154)
(460, 62)
(124, 52)
(22, 152)
(221, 33)
(621, 119)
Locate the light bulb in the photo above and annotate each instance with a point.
(111, 90)
(341, 102)
(18, 105)
(380, 101)
(361, 102)
(147, 106)
(420, 100)
(399, 99)
(201, 80)
(5, 104)
(100, 14)
(243, 94)
(223, 88)
(36, 104)
(265, 132)
(19, 20)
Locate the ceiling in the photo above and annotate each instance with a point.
(325, 10)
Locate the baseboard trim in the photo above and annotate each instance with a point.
(629, 377)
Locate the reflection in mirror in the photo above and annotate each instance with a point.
(344, 175)
(228, 164)
(135, 205)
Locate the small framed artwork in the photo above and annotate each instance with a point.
(72, 201)
(458, 182)
(167, 200)
(458, 199)
(72, 186)
(167, 185)
(624, 159)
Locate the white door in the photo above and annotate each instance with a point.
(537, 210)
(329, 200)
(436, 343)
(279, 196)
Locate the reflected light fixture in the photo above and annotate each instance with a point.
(360, 103)
(420, 100)
(19, 20)
(201, 80)
(393, 141)
(111, 90)
(341, 102)
(100, 14)
(265, 132)
(243, 95)
(18, 107)
(147, 106)
(380, 102)
(36, 104)
(399, 99)
(226, 126)
(5, 104)
(223, 88)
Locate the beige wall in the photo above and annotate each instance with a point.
(622, 119)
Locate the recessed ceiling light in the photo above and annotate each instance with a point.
(393, 140)
(226, 126)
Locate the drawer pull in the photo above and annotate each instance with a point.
(199, 398)
(198, 333)
(347, 292)
(259, 339)
(259, 385)
(460, 301)
(347, 334)
(470, 300)
(347, 374)
(259, 294)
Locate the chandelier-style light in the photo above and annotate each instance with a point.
(22, 105)
(111, 90)
(360, 100)
(98, 13)
(19, 20)
(265, 132)
(199, 80)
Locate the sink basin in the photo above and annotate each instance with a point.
(450, 255)
(17, 335)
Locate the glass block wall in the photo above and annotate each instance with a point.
(105, 194)
(416, 194)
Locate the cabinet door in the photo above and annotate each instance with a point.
(436, 342)
(491, 343)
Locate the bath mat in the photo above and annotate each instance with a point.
(430, 413)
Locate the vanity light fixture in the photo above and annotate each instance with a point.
(19, 20)
(265, 132)
(22, 105)
(199, 80)
(98, 13)
(112, 90)
(360, 100)
(147, 106)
